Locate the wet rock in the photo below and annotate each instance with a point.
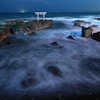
(87, 32)
(54, 70)
(29, 82)
(80, 23)
(54, 43)
(70, 37)
(96, 36)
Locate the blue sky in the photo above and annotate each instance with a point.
(50, 5)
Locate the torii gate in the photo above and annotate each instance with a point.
(40, 13)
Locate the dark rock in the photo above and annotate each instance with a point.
(87, 32)
(97, 18)
(12, 31)
(54, 70)
(70, 37)
(96, 36)
(9, 43)
(29, 82)
(54, 43)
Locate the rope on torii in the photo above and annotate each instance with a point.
(40, 13)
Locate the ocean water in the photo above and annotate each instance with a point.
(31, 55)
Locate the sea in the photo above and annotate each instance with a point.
(30, 67)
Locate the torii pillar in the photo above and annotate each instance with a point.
(40, 13)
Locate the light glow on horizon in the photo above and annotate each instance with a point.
(22, 11)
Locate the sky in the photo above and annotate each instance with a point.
(50, 5)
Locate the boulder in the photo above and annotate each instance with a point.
(54, 70)
(80, 23)
(70, 37)
(94, 26)
(87, 32)
(54, 43)
(96, 36)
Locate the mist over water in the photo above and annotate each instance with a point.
(76, 63)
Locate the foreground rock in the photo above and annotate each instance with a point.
(87, 32)
(80, 23)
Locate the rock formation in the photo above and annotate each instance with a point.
(54, 44)
(4, 33)
(80, 23)
(87, 32)
(10, 27)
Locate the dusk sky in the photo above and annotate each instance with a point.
(50, 5)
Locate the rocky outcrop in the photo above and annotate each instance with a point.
(80, 23)
(32, 26)
(87, 32)
(21, 26)
(28, 27)
(96, 36)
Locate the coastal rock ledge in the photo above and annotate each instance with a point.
(10, 27)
